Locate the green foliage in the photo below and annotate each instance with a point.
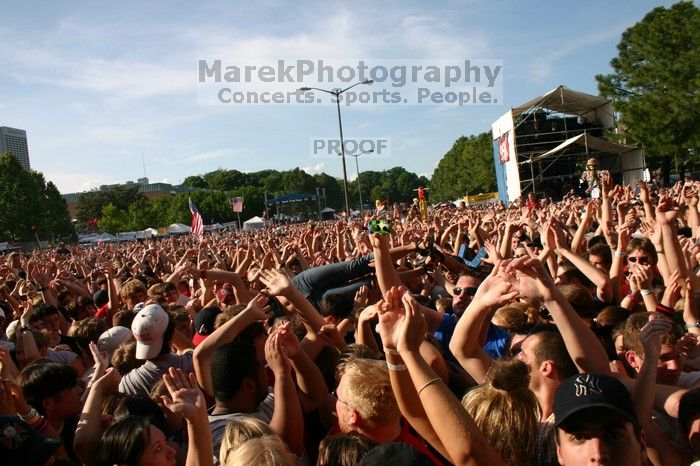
(91, 203)
(27, 201)
(121, 208)
(655, 81)
(466, 168)
(195, 182)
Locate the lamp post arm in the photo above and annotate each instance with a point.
(350, 87)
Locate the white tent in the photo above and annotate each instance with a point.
(563, 100)
(611, 156)
(254, 223)
(106, 237)
(179, 228)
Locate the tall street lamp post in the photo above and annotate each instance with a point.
(359, 186)
(336, 93)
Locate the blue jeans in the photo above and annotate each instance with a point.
(343, 278)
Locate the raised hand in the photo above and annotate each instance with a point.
(530, 279)
(412, 326)
(666, 211)
(108, 382)
(101, 360)
(258, 308)
(650, 336)
(288, 340)
(367, 314)
(275, 357)
(643, 191)
(391, 312)
(276, 282)
(185, 398)
(495, 290)
(361, 297)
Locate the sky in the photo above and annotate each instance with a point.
(106, 89)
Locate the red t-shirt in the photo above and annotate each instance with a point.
(404, 437)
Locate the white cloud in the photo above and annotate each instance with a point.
(315, 169)
(211, 155)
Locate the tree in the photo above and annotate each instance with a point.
(28, 203)
(113, 220)
(334, 190)
(90, 204)
(654, 84)
(466, 168)
(195, 181)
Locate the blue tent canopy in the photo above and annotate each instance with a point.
(289, 198)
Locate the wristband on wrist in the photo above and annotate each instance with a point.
(396, 367)
(646, 291)
(633, 297)
(665, 310)
(695, 325)
(392, 352)
(619, 254)
(32, 412)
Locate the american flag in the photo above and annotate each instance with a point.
(503, 148)
(197, 223)
(237, 204)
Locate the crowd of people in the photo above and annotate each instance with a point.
(536, 333)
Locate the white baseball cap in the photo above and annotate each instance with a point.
(148, 328)
(112, 338)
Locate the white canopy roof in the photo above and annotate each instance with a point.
(253, 220)
(254, 223)
(589, 142)
(179, 228)
(563, 100)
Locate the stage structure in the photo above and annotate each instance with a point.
(297, 198)
(542, 145)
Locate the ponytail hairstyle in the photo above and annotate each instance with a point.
(506, 412)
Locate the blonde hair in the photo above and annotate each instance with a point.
(368, 391)
(124, 357)
(516, 317)
(268, 450)
(350, 353)
(239, 430)
(131, 288)
(504, 406)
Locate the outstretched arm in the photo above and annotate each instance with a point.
(533, 282)
(256, 310)
(465, 345)
(461, 438)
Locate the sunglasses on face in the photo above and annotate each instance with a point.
(471, 291)
(642, 260)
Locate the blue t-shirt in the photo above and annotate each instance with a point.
(496, 344)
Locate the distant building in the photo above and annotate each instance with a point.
(14, 141)
(150, 190)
